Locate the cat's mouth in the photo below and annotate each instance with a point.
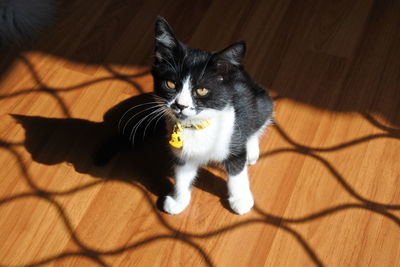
(180, 116)
(183, 114)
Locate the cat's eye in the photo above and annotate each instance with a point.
(170, 85)
(202, 91)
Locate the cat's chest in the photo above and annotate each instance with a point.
(211, 143)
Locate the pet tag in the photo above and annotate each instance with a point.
(176, 136)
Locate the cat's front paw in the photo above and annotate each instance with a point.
(253, 150)
(241, 205)
(173, 206)
(253, 156)
(252, 161)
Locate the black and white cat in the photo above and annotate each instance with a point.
(217, 114)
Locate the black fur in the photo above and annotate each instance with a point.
(223, 74)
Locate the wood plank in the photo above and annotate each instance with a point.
(337, 27)
(327, 184)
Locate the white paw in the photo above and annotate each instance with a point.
(252, 161)
(253, 151)
(241, 205)
(252, 155)
(172, 206)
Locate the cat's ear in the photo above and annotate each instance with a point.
(165, 41)
(233, 54)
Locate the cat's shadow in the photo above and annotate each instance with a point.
(93, 147)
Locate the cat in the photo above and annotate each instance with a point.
(22, 19)
(215, 112)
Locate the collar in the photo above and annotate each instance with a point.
(198, 126)
(176, 136)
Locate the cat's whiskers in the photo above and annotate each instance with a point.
(126, 112)
(165, 114)
(158, 115)
(163, 101)
(136, 114)
(136, 127)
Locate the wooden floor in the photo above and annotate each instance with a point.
(327, 186)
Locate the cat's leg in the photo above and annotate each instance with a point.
(253, 149)
(240, 197)
(253, 144)
(184, 177)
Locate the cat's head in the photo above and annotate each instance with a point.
(194, 84)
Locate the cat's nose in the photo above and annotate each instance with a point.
(178, 106)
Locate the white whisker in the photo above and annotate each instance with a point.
(162, 112)
(165, 113)
(126, 124)
(126, 112)
(136, 127)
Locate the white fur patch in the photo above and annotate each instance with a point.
(211, 143)
(240, 197)
(253, 149)
(184, 177)
(200, 147)
(184, 98)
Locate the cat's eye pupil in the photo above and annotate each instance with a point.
(202, 91)
(170, 85)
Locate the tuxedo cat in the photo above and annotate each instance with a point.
(215, 112)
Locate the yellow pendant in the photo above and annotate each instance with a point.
(176, 136)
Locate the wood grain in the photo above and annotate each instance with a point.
(327, 185)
